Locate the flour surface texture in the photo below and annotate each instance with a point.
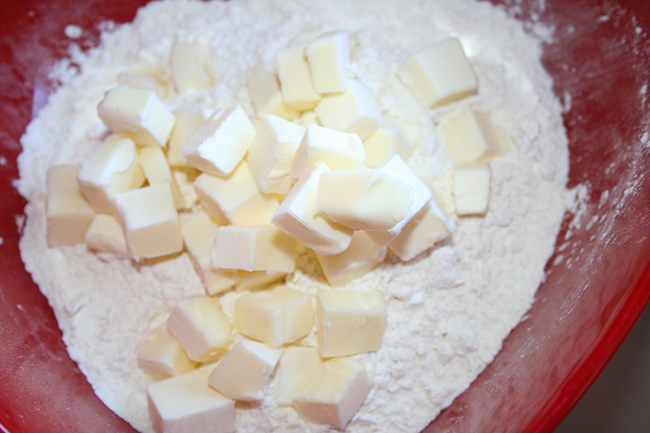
(449, 309)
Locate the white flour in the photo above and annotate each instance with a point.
(448, 310)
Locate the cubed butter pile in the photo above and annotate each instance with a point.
(341, 187)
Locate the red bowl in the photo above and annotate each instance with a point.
(597, 282)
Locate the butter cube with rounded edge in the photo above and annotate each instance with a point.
(244, 370)
(235, 199)
(329, 60)
(221, 143)
(68, 213)
(335, 393)
(113, 167)
(297, 366)
(137, 113)
(295, 78)
(276, 316)
(472, 137)
(349, 322)
(440, 74)
(296, 216)
(201, 327)
(355, 110)
(266, 96)
(150, 222)
(105, 234)
(253, 248)
(189, 62)
(161, 356)
(186, 403)
(198, 233)
(471, 189)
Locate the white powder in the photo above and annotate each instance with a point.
(448, 309)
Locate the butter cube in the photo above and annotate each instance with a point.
(440, 74)
(111, 168)
(339, 150)
(430, 226)
(329, 59)
(271, 155)
(145, 78)
(157, 172)
(188, 122)
(335, 394)
(363, 199)
(189, 63)
(396, 167)
(198, 233)
(137, 113)
(105, 234)
(388, 140)
(275, 316)
(362, 256)
(266, 96)
(471, 137)
(150, 222)
(235, 199)
(295, 78)
(471, 189)
(244, 370)
(296, 216)
(253, 248)
(161, 356)
(219, 145)
(257, 280)
(68, 212)
(187, 404)
(201, 327)
(297, 367)
(355, 110)
(348, 323)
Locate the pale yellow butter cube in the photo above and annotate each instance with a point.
(188, 122)
(201, 327)
(266, 96)
(388, 140)
(276, 316)
(244, 370)
(329, 60)
(189, 63)
(396, 167)
(198, 233)
(138, 113)
(440, 74)
(363, 199)
(335, 393)
(271, 155)
(221, 143)
(105, 234)
(296, 216)
(471, 137)
(348, 322)
(295, 78)
(113, 167)
(362, 256)
(157, 172)
(253, 248)
(257, 280)
(150, 222)
(296, 369)
(338, 150)
(68, 213)
(145, 78)
(355, 110)
(471, 189)
(430, 226)
(187, 403)
(235, 199)
(161, 356)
